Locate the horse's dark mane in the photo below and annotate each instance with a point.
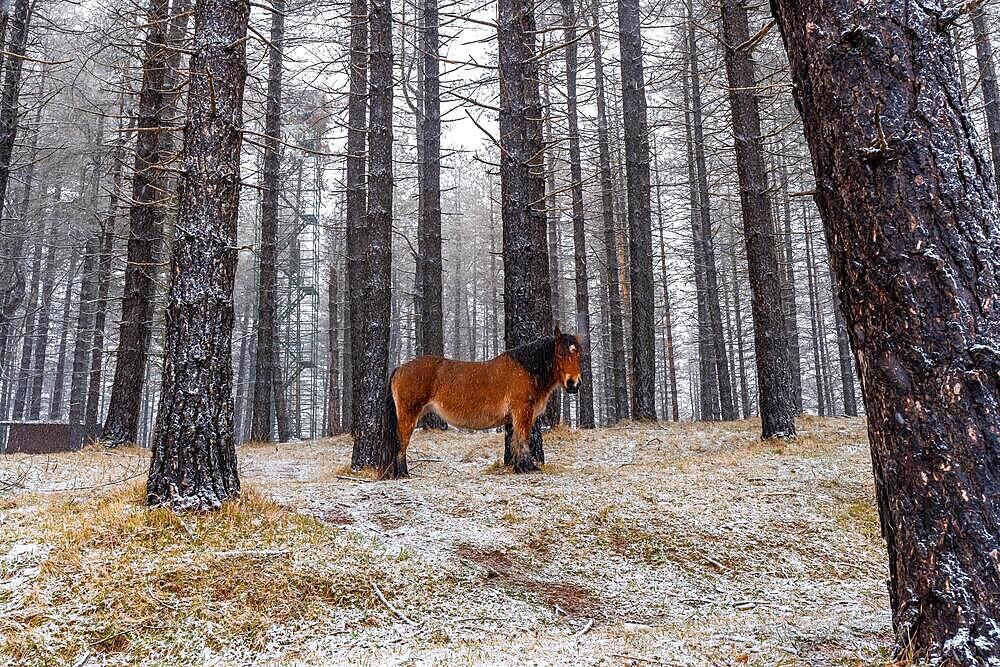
(539, 357)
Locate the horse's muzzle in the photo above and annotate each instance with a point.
(572, 387)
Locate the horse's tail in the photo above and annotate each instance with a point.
(391, 444)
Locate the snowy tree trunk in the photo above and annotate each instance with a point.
(913, 226)
(356, 202)
(774, 373)
(372, 382)
(193, 464)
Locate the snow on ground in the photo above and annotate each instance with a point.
(677, 544)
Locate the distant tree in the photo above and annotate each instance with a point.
(264, 387)
(912, 219)
(988, 81)
(618, 386)
(581, 279)
(145, 238)
(774, 372)
(193, 463)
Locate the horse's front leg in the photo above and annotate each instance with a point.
(523, 419)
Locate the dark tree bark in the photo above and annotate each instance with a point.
(913, 228)
(12, 280)
(11, 91)
(371, 385)
(193, 464)
(586, 395)
(774, 373)
(356, 202)
(429, 221)
(145, 239)
(618, 391)
(429, 262)
(988, 83)
(670, 391)
(516, 193)
(263, 394)
(640, 236)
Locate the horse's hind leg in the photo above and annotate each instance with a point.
(407, 422)
(523, 420)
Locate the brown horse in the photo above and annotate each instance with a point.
(512, 388)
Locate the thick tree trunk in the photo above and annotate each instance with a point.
(774, 373)
(618, 391)
(263, 394)
(372, 385)
(193, 464)
(516, 191)
(586, 395)
(988, 82)
(356, 202)
(913, 226)
(145, 239)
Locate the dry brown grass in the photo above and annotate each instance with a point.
(121, 578)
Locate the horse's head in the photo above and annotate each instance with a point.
(567, 363)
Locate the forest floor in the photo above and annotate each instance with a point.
(681, 544)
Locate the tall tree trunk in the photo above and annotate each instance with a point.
(913, 226)
(670, 391)
(429, 234)
(774, 373)
(988, 82)
(585, 397)
(738, 316)
(357, 113)
(639, 223)
(375, 290)
(263, 394)
(194, 455)
(41, 346)
(618, 391)
(813, 317)
(145, 239)
(516, 192)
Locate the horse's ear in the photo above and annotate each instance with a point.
(557, 333)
